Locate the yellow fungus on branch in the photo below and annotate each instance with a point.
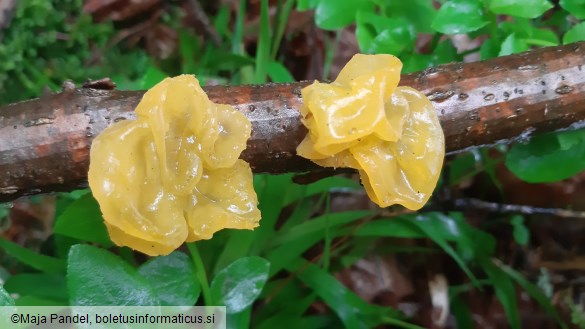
(173, 174)
(390, 134)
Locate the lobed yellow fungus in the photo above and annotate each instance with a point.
(390, 134)
(173, 174)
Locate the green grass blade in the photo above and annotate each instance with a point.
(26, 256)
(282, 20)
(505, 291)
(534, 291)
(353, 311)
(263, 49)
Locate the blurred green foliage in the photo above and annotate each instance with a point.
(48, 42)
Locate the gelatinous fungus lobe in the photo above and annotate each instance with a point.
(390, 134)
(173, 174)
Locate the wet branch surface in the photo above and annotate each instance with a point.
(44, 143)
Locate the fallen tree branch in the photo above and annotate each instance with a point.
(44, 143)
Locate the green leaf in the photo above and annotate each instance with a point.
(542, 37)
(319, 224)
(278, 72)
(83, 220)
(520, 8)
(462, 167)
(419, 13)
(459, 16)
(416, 62)
(575, 7)
(152, 76)
(51, 286)
(538, 160)
(445, 52)
(534, 291)
(353, 311)
(96, 277)
(505, 291)
(292, 243)
(512, 45)
(441, 229)
(173, 279)
(222, 60)
(239, 284)
(521, 232)
(38, 301)
(5, 299)
(303, 5)
(489, 49)
(189, 47)
(40, 262)
(334, 14)
(378, 34)
(398, 227)
(576, 33)
(263, 49)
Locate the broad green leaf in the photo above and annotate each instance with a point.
(335, 14)
(420, 13)
(538, 160)
(5, 299)
(51, 286)
(445, 52)
(520, 8)
(239, 284)
(512, 45)
(353, 311)
(459, 16)
(576, 33)
(26, 256)
(542, 37)
(378, 34)
(575, 7)
(278, 72)
(173, 279)
(83, 220)
(96, 277)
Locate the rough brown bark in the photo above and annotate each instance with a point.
(44, 143)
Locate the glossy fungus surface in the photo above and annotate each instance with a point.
(173, 174)
(390, 134)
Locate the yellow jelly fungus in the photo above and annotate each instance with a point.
(173, 174)
(390, 134)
